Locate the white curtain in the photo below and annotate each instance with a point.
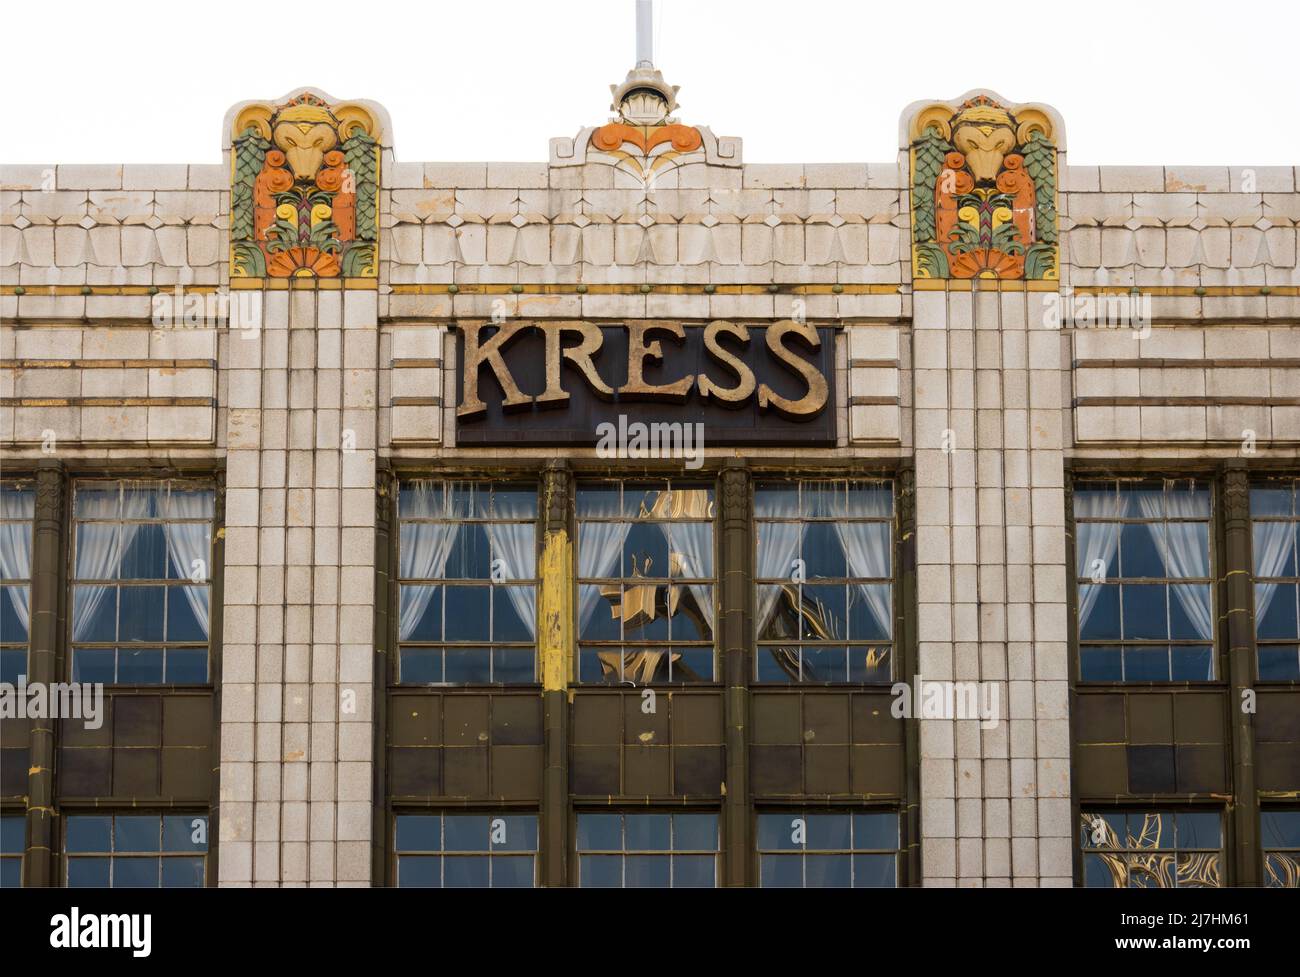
(1181, 547)
(693, 544)
(515, 545)
(16, 547)
(1273, 542)
(600, 551)
(1095, 541)
(425, 547)
(100, 547)
(778, 544)
(866, 545)
(188, 542)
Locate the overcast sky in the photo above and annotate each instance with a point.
(802, 81)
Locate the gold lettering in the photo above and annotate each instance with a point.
(728, 396)
(812, 402)
(477, 355)
(580, 356)
(638, 350)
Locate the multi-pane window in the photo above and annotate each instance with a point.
(1152, 849)
(136, 850)
(1280, 839)
(1275, 524)
(1146, 602)
(645, 582)
(828, 850)
(140, 582)
(17, 504)
(468, 578)
(466, 850)
(13, 833)
(647, 850)
(824, 565)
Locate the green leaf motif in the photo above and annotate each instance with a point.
(359, 152)
(358, 260)
(250, 154)
(1040, 163)
(1040, 260)
(930, 150)
(931, 262)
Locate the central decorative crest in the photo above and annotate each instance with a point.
(644, 102)
(304, 191)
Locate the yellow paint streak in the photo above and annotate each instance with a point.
(555, 639)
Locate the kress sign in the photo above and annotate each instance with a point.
(557, 382)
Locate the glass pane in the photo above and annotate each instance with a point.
(694, 871)
(187, 666)
(136, 833)
(94, 665)
(1139, 550)
(11, 873)
(875, 831)
(777, 832)
(1191, 615)
(146, 556)
(695, 832)
(512, 872)
(645, 551)
(141, 615)
(1273, 549)
(1099, 622)
(1280, 829)
(829, 832)
(135, 873)
(1279, 663)
(183, 623)
(465, 832)
(419, 871)
(88, 873)
(1198, 871)
(513, 666)
(691, 547)
(870, 612)
(824, 499)
(422, 499)
(781, 871)
(600, 871)
(647, 871)
(1199, 829)
(1095, 560)
(468, 666)
(97, 556)
(875, 871)
(13, 663)
(598, 501)
(419, 832)
(825, 612)
(466, 613)
(514, 502)
(470, 557)
(1192, 664)
(94, 613)
(822, 552)
(13, 832)
(12, 626)
(1100, 664)
(140, 666)
(1279, 617)
(825, 664)
(692, 665)
(870, 664)
(89, 833)
(1145, 614)
(185, 832)
(776, 499)
(421, 613)
(1271, 500)
(648, 832)
(778, 665)
(871, 499)
(828, 871)
(1146, 664)
(98, 500)
(465, 872)
(182, 873)
(515, 832)
(600, 832)
(510, 605)
(421, 665)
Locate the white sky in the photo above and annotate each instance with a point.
(799, 80)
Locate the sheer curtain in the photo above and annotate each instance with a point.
(515, 545)
(1272, 548)
(1184, 556)
(693, 543)
(866, 545)
(425, 547)
(778, 544)
(100, 547)
(600, 549)
(189, 542)
(16, 547)
(1095, 541)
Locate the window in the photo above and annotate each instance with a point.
(1280, 839)
(1152, 849)
(467, 571)
(824, 566)
(140, 587)
(649, 850)
(645, 582)
(13, 837)
(1274, 527)
(466, 850)
(17, 509)
(136, 850)
(1142, 560)
(828, 850)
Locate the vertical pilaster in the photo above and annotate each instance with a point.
(556, 652)
(42, 664)
(1237, 571)
(905, 644)
(737, 638)
(385, 509)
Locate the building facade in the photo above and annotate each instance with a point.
(645, 517)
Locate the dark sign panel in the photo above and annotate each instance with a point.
(571, 382)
